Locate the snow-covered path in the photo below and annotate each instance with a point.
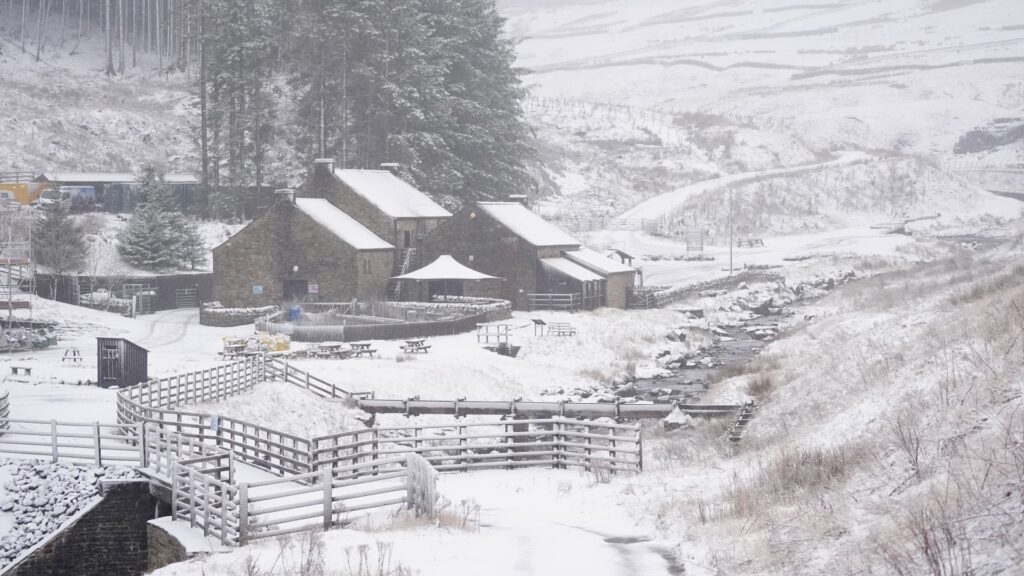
(665, 204)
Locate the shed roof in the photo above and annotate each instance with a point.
(445, 268)
(597, 262)
(527, 225)
(570, 269)
(341, 225)
(114, 177)
(392, 195)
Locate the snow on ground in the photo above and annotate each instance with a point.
(288, 409)
(890, 419)
(530, 522)
(870, 75)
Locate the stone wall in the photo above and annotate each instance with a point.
(108, 540)
(482, 243)
(285, 244)
(164, 549)
(211, 314)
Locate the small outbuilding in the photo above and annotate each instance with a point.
(120, 363)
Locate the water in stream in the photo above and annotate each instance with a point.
(688, 383)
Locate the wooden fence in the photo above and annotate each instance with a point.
(322, 479)
(509, 444)
(567, 302)
(359, 332)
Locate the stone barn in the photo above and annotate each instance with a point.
(541, 265)
(389, 206)
(301, 250)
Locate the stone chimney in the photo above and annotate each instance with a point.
(286, 193)
(521, 198)
(390, 167)
(323, 165)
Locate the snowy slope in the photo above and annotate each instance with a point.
(912, 75)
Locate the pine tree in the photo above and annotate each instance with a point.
(193, 248)
(157, 236)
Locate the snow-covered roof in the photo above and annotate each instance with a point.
(445, 268)
(570, 269)
(596, 262)
(527, 225)
(392, 195)
(119, 177)
(341, 225)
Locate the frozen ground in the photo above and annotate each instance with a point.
(529, 523)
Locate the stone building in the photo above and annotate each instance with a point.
(389, 206)
(535, 259)
(302, 249)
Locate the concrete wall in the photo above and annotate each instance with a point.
(108, 540)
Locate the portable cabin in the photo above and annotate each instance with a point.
(120, 363)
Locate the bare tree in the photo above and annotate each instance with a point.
(44, 6)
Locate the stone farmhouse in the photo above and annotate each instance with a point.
(301, 249)
(345, 233)
(542, 265)
(389, 206)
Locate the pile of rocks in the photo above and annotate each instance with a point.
(42, 496)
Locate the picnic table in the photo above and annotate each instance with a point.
(331, 350)
(360, 348)
(416, 345)
(750, 242)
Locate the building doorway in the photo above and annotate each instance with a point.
(406, 239)
(296, 290)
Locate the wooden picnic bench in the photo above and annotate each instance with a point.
(561, 329)
(331, 350)
(26, 370)
(750, 242)
(73, 355)
(360, 348)
(416, 345)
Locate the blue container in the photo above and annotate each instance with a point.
(293, 313)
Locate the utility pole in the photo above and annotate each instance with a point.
(732, 228)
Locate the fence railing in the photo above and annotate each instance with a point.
(357, 332)
(554, 442)
(193, 454)
(567, 302)
(53, 440)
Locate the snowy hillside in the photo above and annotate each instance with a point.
(908, 75)
(63, 114)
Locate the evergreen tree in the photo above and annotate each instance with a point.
(58, 243)
(157, 236)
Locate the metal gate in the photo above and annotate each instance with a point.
(185, 298)
(142, 294)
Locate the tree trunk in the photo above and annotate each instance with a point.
(41, 28)
(63, 22)
(203, 128)
(24, 22)
(110, 38)
(78, 37)
(159, 44)
(120, 37)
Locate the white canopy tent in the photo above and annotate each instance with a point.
(445, 269)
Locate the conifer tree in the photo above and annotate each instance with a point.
(158, 236)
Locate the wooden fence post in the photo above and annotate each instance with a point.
(174, 493)
(53, 439)
(206, 505)
(327, 479)
(142, 445)
(96, 438)
(243, 513)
